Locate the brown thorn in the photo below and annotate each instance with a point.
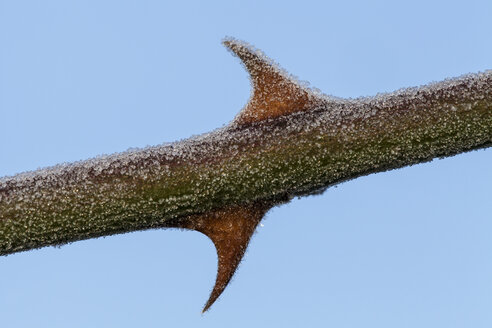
(230, 230)
(275, 93)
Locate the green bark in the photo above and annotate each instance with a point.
(288, 156)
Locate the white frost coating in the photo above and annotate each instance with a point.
(291, 141)
(191, 149)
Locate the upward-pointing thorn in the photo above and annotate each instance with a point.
(274, 93)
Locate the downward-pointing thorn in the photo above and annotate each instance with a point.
(230, 230)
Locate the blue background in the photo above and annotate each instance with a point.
(406, 248)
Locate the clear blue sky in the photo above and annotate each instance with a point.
(407, 248)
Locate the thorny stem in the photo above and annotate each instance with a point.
(274, 159)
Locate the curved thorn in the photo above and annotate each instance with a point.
(230, 230)
(275, 92)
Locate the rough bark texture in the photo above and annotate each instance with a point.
(267, 159)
